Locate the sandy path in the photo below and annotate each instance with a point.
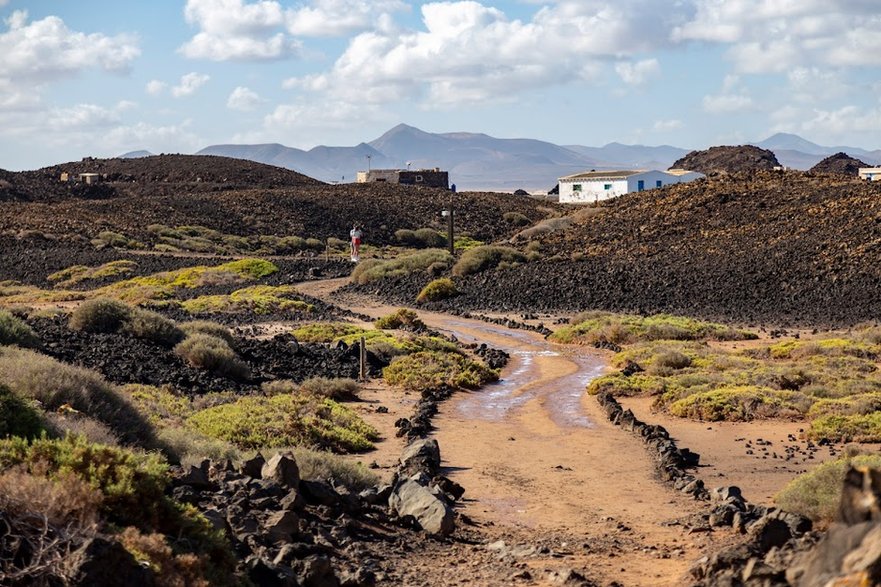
(538, 462)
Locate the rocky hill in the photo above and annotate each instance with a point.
(728, 160)
(841, 163)
(237, 197)
(765, 247)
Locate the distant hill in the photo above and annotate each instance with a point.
(728, 160)
(482, 162)
(136, 154)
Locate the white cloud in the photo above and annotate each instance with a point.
(41, 50)
(734, 97)
(189, 83)
(332, 18)
(638, 73)
(155, 87)
(238, 30)
(469, 52)
(771, 36)
(243, 99)
(726, 103)
(667, 125)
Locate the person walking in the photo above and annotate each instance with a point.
(355, 234)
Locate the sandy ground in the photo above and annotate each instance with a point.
(537, 468)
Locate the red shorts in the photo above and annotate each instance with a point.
(356, 241)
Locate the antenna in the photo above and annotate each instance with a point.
(369, 157)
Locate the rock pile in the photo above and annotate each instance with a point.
(840, 163)
(728, 160)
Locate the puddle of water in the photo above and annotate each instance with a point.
(562, 395)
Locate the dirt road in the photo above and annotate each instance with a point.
(540, 465)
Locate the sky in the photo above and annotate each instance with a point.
(101, 78)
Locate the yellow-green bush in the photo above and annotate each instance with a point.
(438, 289)
(741, 404)
(852, 427)
(15, 331)
(634, 385)
(162, 286)
(256, 299)
(432, 369)
(833, 347)
(79, 273)
(286, 420)
(154, 327)
(374, 269)
(319, 465)
(817, 494)
(326, 331)
(403, 318)
(591, 327)
(486, 257)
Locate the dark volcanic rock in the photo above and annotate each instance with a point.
(840, 163)
(728, 160)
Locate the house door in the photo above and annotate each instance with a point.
(640, 185)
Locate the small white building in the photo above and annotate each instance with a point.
(596, 186)
(870, 173)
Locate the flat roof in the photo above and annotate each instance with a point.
(603, 174)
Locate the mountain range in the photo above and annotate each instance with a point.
(481, 162)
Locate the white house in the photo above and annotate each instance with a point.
(870, 173)
(596, 186)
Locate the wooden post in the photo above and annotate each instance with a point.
(327, 250)
(363, 356)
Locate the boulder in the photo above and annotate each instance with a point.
(409, 498)
(421, 455)
(253, 466)
(106, 563)
(282, 526)
(283, 469)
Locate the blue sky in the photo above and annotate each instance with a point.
(101, 78)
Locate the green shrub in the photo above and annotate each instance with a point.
(153, 327)
(132, 483)
(210, 328)
(672, 360)
(402, 319)
(515, 219)
(438, 289)
(337, 244)
(326, 331)
(486, 257)
(13, 330)
(847, 428)
(108, 238)
(374, 269)
(429, 238)
(817, 494)
(80, 273)
(742, 403)
(64, 423)
(17, 416)
(432, 369)
(591, 327)
(286, 420)
(335, 389)
(634, 385)
(406, 237)
(256, 299)
(32, 376)
(208, 352)
(100, 315)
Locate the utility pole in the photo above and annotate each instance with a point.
(450, 240)
(369, 157)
